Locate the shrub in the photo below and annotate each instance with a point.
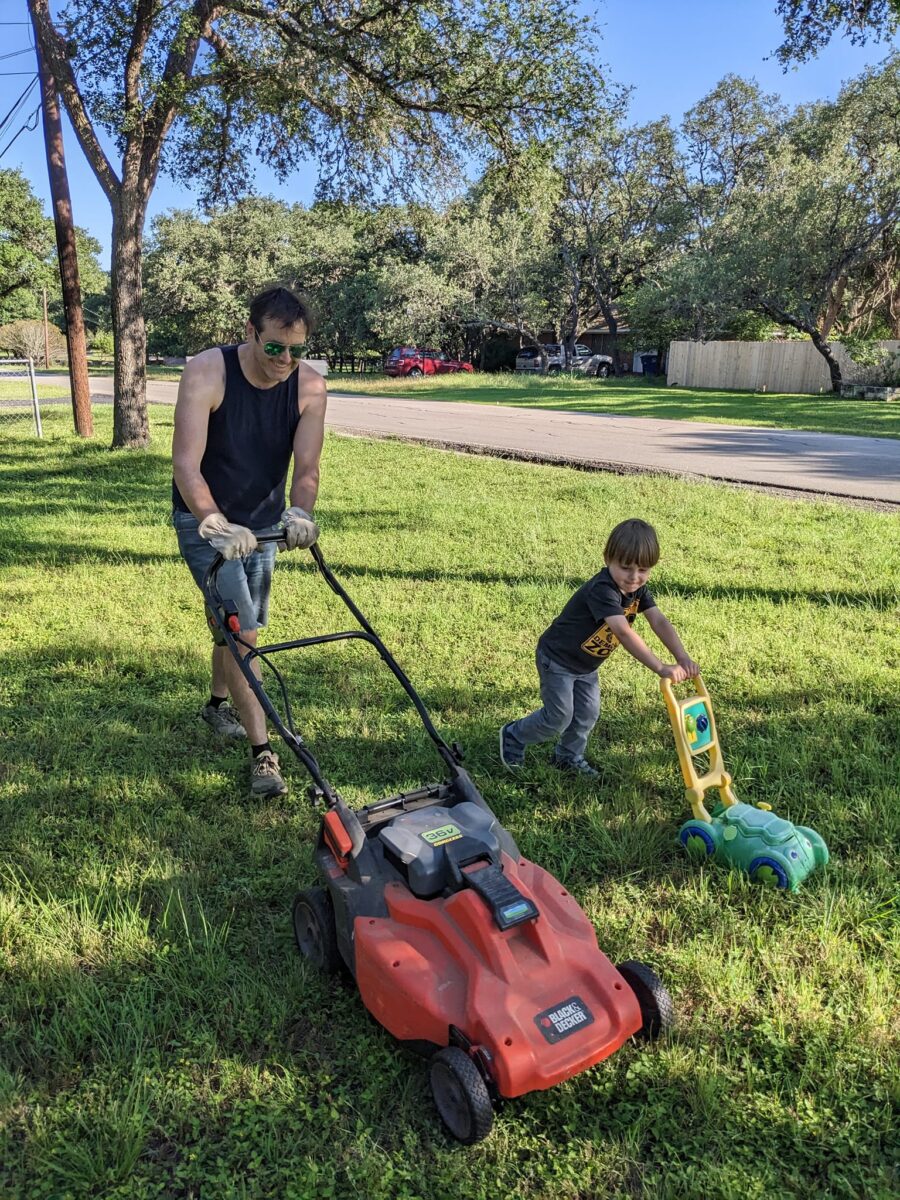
(25, 339)
(102, 342)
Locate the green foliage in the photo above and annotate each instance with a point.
(159, 1035)
(26, 245)
(384, 98)
(200, 274)
(102, 342)
(809, 25)
(364, 89)
(832, 186)
(619, 219)
(791, 212)
(881, 367)
(758, 221)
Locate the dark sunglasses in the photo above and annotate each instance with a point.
(273, 349)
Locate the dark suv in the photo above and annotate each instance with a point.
(410, 361)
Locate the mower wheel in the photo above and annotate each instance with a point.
(314, 930)
(657, 1009)
(460, 1095)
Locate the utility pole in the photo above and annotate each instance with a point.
(65, 245)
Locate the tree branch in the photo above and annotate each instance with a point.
(54, 51)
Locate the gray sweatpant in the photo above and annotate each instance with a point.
(571, 706)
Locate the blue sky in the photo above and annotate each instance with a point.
(670, 52)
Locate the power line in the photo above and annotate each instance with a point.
(28, 125)
(16, 53)
(30, 87)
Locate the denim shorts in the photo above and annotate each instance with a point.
(247, 581)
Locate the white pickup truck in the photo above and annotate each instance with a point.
(585, 362)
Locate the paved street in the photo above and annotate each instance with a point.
(858, 467)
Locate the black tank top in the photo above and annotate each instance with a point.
(248, 447)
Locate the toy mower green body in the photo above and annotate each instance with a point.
(770, 849)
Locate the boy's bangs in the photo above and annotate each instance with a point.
(633, 541)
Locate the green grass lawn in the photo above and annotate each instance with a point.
(18, 392)
(170, 372)
(635, 397)
(159, 1034)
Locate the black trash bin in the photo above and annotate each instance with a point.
(650, 364)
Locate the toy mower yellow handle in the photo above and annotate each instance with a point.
(687, 728)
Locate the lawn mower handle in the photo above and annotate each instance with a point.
(221, 620)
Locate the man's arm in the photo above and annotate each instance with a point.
(308, 441)
(199, 392)
(668, 635)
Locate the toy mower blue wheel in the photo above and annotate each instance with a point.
(694, 836)
(768, 872)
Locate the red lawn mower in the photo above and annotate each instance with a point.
(461, 948)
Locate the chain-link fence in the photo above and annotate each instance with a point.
(19, 407)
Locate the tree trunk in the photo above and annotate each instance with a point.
(761, 305)
(833, 307)
(613, 325)
(130, 425)
(893, 306)
(66, 250)
(834, 367)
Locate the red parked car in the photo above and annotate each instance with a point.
(408, 360)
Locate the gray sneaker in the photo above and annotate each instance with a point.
(223, 720)
(575, 766)
(265, 777)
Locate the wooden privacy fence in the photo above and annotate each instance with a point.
(758, 366)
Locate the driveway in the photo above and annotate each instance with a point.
(861, 468)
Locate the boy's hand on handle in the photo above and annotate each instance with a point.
(300, 530)
(687, 664)
(231, 541)
(673, 671)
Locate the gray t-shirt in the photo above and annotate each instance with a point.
(580, 639)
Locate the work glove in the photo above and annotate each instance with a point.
(300, 530)
(231, 541)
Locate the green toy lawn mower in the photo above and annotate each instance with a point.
(752, 838)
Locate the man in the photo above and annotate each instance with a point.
(242, 413)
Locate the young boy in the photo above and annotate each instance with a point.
(569, 652)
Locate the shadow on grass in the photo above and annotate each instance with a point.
(116, 743)
(55, 552)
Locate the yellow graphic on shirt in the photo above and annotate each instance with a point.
(602, 643)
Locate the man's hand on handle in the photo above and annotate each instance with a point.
(300, 530)
(231, 541)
